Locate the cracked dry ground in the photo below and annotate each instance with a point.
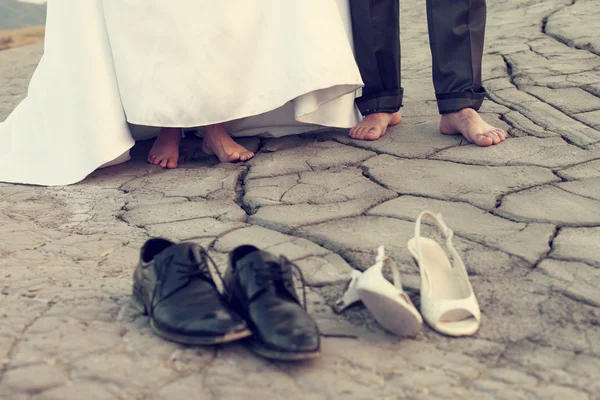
(526, 215)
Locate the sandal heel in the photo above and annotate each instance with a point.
(387, 302)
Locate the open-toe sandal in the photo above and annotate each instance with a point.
(448, 303)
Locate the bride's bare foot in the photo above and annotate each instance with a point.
(374, 126)
(165, 151)
(218, 142)
(469, 123)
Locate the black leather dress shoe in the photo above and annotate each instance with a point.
(172, 284)
(260, 288)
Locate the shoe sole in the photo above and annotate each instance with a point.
(199, 340)
(258, 348)
(189, 340)
(394, 317)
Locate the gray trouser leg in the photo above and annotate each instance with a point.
(456, 36)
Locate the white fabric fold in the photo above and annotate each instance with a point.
(265, 67)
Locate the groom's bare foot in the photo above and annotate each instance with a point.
(374, 126)
(218, 142)
(469, 123)
(165, 151)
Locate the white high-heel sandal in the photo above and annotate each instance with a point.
(387, 302)
(448, 303)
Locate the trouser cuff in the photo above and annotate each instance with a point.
(389, 101)
(453, 102)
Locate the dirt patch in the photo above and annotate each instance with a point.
(10, 39)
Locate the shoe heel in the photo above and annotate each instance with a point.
(138, 303)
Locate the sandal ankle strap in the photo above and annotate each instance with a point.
(448, 234)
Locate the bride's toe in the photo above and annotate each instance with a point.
(172, 163)
(233, 157)
(247, 155)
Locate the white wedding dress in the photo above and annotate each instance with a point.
(265, 67)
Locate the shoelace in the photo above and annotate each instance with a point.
(275, 273)
(191, 271)
(200, 269)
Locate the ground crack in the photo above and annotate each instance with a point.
(12, 347)
(564, 41)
